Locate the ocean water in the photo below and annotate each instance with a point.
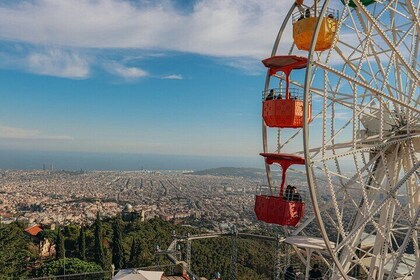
(15, 159)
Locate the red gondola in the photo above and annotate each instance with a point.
(284, 112)
(277, 209)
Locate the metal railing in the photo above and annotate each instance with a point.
(299, 272)
(310, 12)
(296, 93)
(280, 93)
(265, 190)
(106, 275)
(99, 275)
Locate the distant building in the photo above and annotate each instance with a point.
(6, 218)
(33, 230)
(128, 214)
(46, 248)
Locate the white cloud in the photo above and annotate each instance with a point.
(223, 28)
(128, 73)
(56, 62)
(173, 77)
(246, 65)
(7, 132)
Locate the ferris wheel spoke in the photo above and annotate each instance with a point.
(303, 225)
(336, 174)
(380, 205)
(404, 36)
(385, 38)
(344, 96)
(376, 79)
(386, 216)
(400, 13)
(414, 13)
(403, 215)
(291, 139)
(366, 86)
(413, 193)
(401, 251)
(320, 92)
(366, 148)
(351, 65)
(337, 133)
(385, 74)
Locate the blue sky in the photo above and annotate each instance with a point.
(166, 77)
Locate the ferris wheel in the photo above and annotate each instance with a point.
(342, 100)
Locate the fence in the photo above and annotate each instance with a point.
(309, 12)
(105, 275)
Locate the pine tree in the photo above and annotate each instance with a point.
(60, 250)
(140, 255)
(133, 253)
(82, 243)
(107, 258)
(117, 245)
(99, 247)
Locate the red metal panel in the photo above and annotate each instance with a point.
(285, 63)
(285, 160)
(284, 113)
(282, 158)
(277, 210)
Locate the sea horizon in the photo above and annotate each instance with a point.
(95, 161)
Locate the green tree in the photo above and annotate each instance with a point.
(138, 252)
(99, 246)
(70, 266)
(71, 235)
(117, 245)
(107, 258)
(14, 252)
(141, 256)
(82, 243)
(132, 253)
(59, 247)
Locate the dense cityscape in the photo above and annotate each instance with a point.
(60, 197)
(47, 212)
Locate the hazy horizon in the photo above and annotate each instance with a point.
(89, 161)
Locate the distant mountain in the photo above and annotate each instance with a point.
(232, 171)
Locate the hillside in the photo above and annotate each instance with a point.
(18, 256)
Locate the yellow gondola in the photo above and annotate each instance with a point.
(304, 27)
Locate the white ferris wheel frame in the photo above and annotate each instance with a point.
(415, 164)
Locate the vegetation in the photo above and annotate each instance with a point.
(99, 249)
(82, 244)
(60, 249)
(69, 266)
(117, 245)
(255, 258)
(129, 244)
(15, 253)
(133, 253)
